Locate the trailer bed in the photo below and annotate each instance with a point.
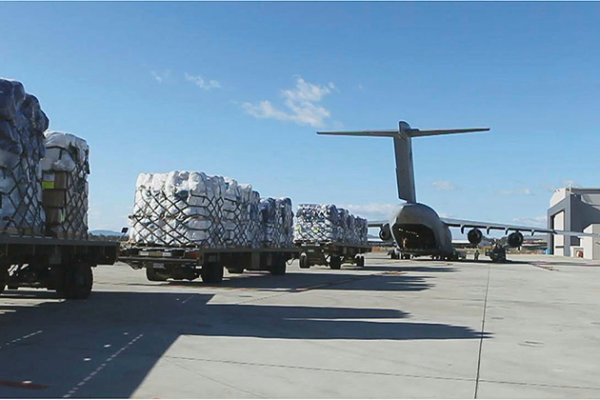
(64, 265)
(332, 254)
(163, 263)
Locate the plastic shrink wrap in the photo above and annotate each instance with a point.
(182, 208)
(326, 223)
(22, 126)
(65, 169)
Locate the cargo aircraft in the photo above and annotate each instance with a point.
(415, 227)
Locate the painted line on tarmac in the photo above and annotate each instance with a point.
(487, 291)
(379, 373)
(321, 369)
(188, 299)
(17, 340)
(101, 367)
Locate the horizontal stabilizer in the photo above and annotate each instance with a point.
(388, 133)
(433, 132)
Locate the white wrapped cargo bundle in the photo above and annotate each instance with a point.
(183, 208)
(22, 124)
(65, 169)
(178, 209)
(326, 223)
(277, 221)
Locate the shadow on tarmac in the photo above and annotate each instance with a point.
(299, 282)
(106, 346)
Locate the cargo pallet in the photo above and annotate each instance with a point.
(64, 265)
(179, 263)
(331, 254)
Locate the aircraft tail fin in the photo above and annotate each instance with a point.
(405, 177)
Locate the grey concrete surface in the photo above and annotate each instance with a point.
(393, 329)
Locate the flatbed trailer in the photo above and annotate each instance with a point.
(64, 265)
(331, 254)
(179, 263)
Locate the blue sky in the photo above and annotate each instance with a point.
(239, 89)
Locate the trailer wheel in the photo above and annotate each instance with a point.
(74, 282)
(335, 262)
(279, 266)
(360, 261)
(304, 262)
(212, 273)
(3, 278)
(153, 276)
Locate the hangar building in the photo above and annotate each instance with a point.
(575, 209)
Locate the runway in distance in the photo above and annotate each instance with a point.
(415, 227)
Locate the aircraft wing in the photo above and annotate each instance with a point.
(377, 224)
(461, 223)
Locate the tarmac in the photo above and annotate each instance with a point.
(393, 329)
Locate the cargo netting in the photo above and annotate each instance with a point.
(326, 223)
(22, 126)
(184, 208)
(277, 222)
(65, 169)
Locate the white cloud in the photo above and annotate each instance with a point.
(443, 185)
(300, 103)
(202, 83)
(516, 192)
(372, 211)
(160, 77)
(540, 221)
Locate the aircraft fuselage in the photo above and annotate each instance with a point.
(417, 229)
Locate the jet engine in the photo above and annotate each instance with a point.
(475, 236)
(384, 233)
(515, 239)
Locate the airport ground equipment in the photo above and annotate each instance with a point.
(497, 254)
(331, 254)
(64, 265)
(189, 263)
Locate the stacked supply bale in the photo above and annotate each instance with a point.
(362, 229)
(252, 220)
(22, 126)
(276, 222)
(287, 222)
(65, 169)
(327, 223)
(192, 209)
(239, 203)
(177, 209)
(317, 223)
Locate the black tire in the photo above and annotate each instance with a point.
(153, 276)
(304, 262)
(360, 261)
(3, 278)
(335, 262)
(279, 266)
(74, 282)
(212, 273)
